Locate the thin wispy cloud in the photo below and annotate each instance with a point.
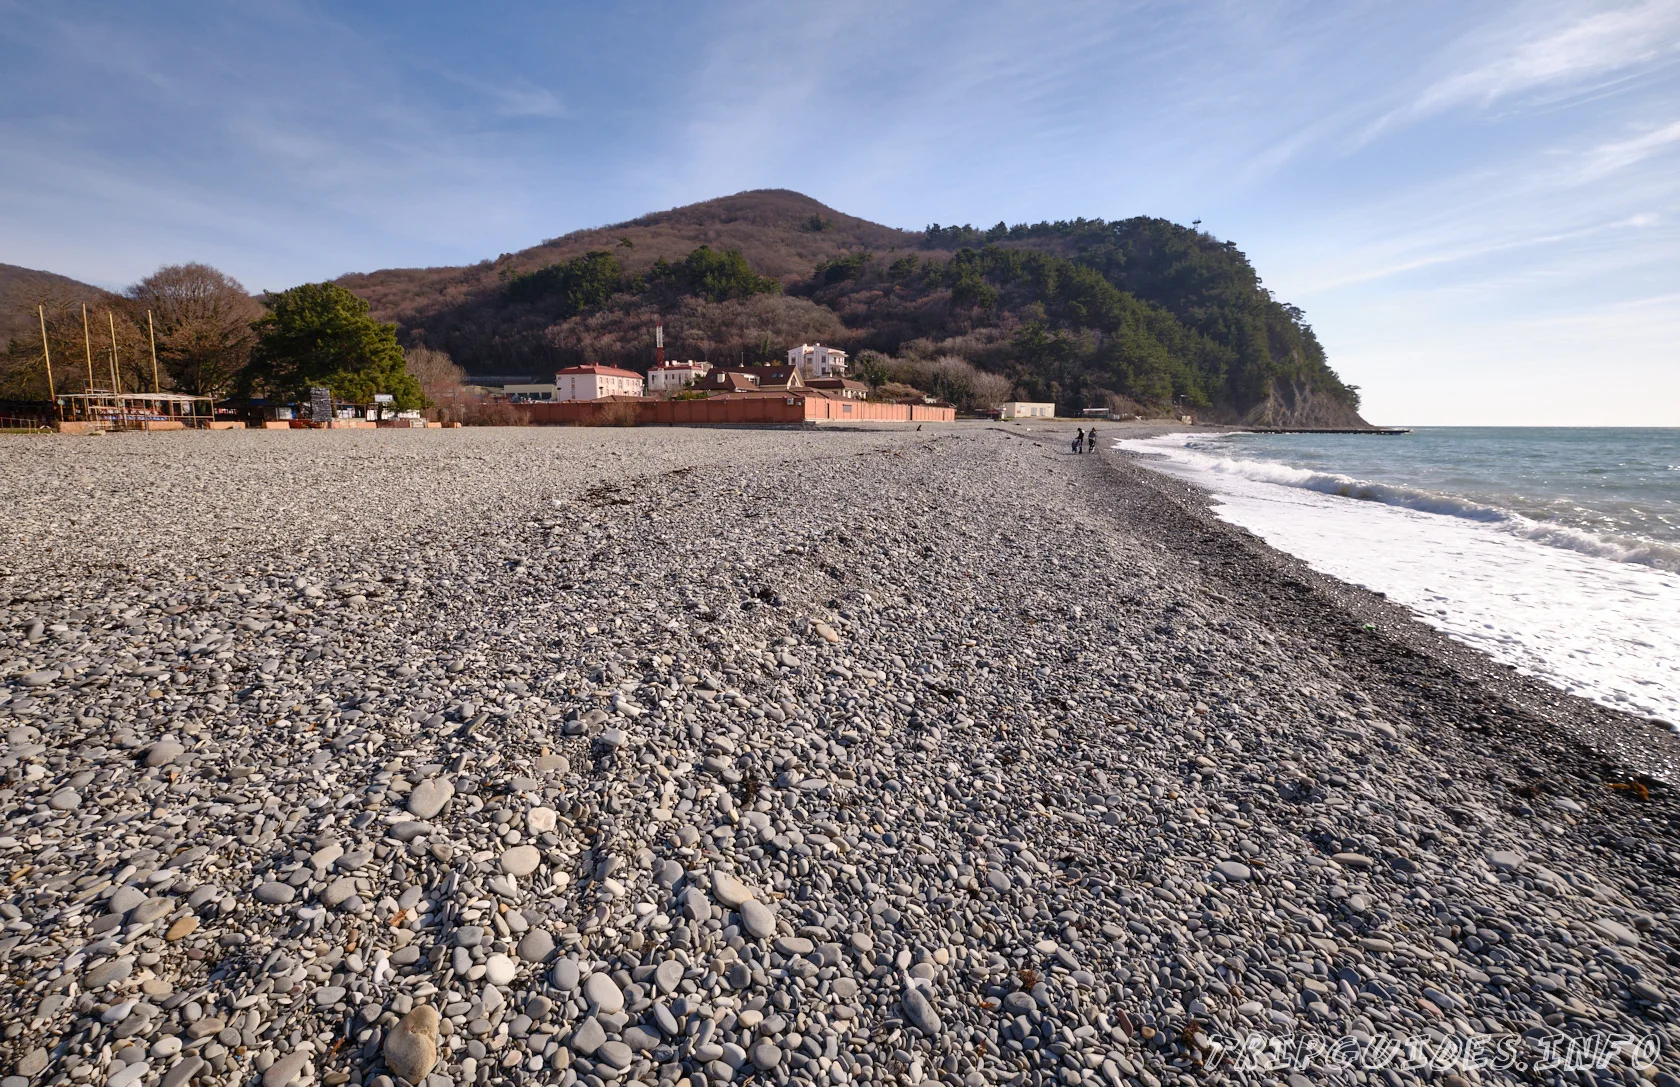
(515, 100)
(1563, 51)
(1620, 154)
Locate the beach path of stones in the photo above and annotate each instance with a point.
(700, 757)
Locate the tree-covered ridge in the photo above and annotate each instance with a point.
(569, 288)
(1084, 312)
(1208, 285)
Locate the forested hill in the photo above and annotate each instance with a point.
(22, 289)
(1085, 312)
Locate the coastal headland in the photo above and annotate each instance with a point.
(841, 756)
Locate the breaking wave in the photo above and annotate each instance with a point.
(1601, 545)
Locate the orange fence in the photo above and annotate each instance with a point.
(730, 411)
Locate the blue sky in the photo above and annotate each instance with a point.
(1476, 204)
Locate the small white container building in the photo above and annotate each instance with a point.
(1026, 409)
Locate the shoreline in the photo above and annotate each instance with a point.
(835, 756)
(1641, 745)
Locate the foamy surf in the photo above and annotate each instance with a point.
(1592, 614)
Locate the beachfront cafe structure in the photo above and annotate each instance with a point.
(103, 409)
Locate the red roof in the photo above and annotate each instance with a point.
(599, 370)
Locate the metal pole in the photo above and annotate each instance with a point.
(116, 382)
(152, 333)
(46, 352)
(87, 345)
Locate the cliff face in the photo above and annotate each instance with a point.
(1297, 404)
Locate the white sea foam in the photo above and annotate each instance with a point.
(1603, 545)
(1594, 615)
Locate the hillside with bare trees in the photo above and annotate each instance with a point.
(1140, 313)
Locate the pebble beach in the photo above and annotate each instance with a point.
(837, 757)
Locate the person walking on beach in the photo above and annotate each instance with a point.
(1079, 441)
(1091, 441)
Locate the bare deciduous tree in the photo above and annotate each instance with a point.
(203, 322)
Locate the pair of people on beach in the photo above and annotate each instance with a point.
(1085, 443)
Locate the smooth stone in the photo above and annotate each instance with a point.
(668, 975)
(328, 995)
(757, 918)
(1235, 871)
(125, 899)
(182, 1072)
(641, 1039)
(33, 1063)
(617, 1054)
(1615, 930)
(128, 1075)
(521, 860)
(588, 1037)
(729, 890)
(164, 752)
(1506, 860)
(428, 798)
(919, 1010)
(338, 892)
(499, 969)
(107, 972)
(603, 992)
(469, 935)
(766, 1055)
(411, 1047)
(536, 945)
(540, 820)
(276, 893)
(65, 800)
(565, 975)
(286, 1070)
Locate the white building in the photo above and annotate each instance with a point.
(1026, 409)
(815, 360)
(673, 376)
(595, 381)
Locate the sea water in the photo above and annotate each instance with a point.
(1554, 550)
